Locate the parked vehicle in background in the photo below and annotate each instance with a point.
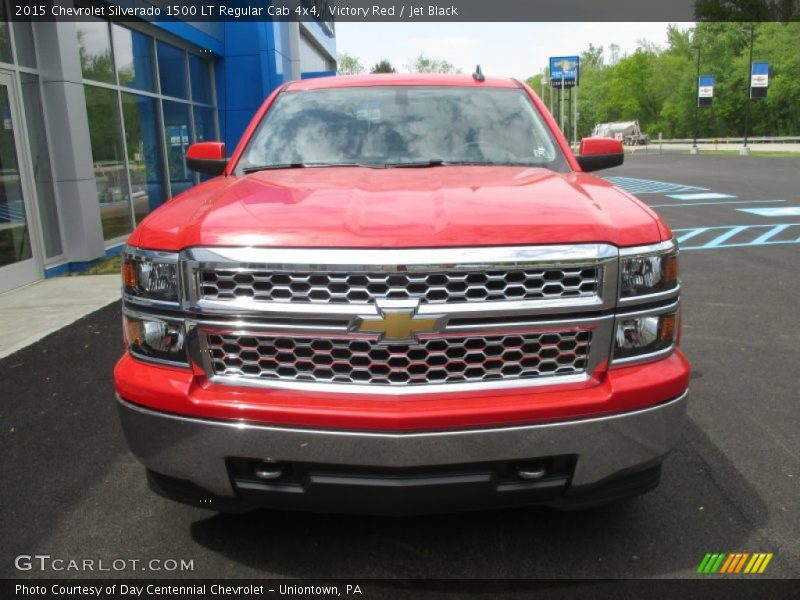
(627, 132)
(402, 294)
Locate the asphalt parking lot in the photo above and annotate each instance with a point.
(71, 489)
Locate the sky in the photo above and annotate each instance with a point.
(502, 49)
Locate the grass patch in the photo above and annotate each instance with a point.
(108, 266)
(754, 152)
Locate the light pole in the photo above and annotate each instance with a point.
(696, 102)
(745, 150)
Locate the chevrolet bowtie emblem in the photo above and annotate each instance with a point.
(397, 323)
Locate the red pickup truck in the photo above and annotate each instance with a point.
(402, 294)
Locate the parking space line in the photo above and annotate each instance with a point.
(633, 185)
(712, 203)
(772, 232)
(725, 239)
(725, 236)
(691, 234)
(701, 196)
(779, 211)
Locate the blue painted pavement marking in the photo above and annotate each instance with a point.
(725, 236)
(691, 233)
(739, 236)
(634, 185)
(701, 196)
(685, 204)
(781, 211)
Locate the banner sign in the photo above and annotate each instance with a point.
(706, 86)
(759, 79)
(705, 90)
(564, 71)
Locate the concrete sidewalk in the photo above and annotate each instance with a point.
(30, 313)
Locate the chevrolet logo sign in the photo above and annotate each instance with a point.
(398, 321)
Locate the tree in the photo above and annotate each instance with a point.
(384, 66)
(424, 64)
(658, 87)
(348, 65)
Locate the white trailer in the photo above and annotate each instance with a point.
(627, 132)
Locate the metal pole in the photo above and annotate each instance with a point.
(569, 118)
(575, 116)
(697, 102)
(561, 101)
(749, 82)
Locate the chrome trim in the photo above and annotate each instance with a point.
(599, 354)
(402, 389)
(648, 298)
(420, 259)
(195, 449)
(150, 302)
(665, 247)
(643, 358)
(659, 310)
(160, 255)
(603, 256)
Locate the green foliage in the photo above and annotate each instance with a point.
(657, 86)
(348, 65)
(424, 64)
(384, 66)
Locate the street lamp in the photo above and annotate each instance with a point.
(745, 150)
(696, 101)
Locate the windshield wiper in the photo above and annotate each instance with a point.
(307, 165)
(431, 162)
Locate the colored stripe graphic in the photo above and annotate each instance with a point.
(734, 563)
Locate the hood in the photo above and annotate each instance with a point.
(355, 207)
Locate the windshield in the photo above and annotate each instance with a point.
(386, 126)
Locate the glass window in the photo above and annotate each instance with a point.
(95, 50)
(108, 156)
(133, 54)
(395, 125)
(172, 70)
(201, 79)
(177, 130)
(205, 129)
(23, 40)
(40, 156)
(5, 39)
(140, 117)
(15, 240)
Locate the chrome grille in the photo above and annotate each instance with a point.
(427, 361)
(457, 286)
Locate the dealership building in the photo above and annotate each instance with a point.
(97, 116)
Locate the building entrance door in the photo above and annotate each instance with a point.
(19, 252)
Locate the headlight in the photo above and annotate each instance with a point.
(158, 340)
(648, 273)
(641, 336)
(150, 275)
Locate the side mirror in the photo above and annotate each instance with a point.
(600, 153)
(207, 157)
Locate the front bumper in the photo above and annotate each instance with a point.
(190, 459)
